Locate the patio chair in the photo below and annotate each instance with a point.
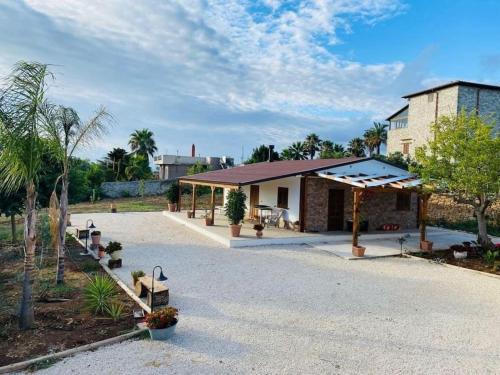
(274, 218)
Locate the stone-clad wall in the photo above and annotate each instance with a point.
(131, 188)
(489, 102)
(377, 208)
(443, 207)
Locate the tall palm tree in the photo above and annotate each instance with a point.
(66, 134)
(23, 113)
(312, 144)
(142, 143)
(118, 158)
(370, 140)
(297, 151)
(356, 147)
(378, 135)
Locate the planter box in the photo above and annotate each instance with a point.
(426, 246)
(358, 251)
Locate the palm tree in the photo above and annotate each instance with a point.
(67, 133)
(297, 151)
(312, 144)
(378, 135)
(142, 143)
(118, 158)
(356, 147)
(370, 141)
(23, 113)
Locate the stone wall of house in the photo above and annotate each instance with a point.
(443, 207)
(489, 102)
(377, 208)
(121, 189)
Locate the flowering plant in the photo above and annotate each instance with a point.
(163, 318)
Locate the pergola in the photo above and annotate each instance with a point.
(362, 183)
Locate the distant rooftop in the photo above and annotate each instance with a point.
(451, 84)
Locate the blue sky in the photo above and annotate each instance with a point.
(231, 74)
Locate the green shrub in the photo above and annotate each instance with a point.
(490, 257)
(235, 206)
(113, 246)
(115, 310)
(99, 294)
(172, 193)
(136, 275)
(89, 266)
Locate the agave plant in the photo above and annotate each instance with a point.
(115, 310)
(99, 294)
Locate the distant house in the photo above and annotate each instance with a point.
(410, 127)
(322, 195)
(175, 166)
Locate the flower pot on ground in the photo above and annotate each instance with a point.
(258, 230)
(96, 237)
(172, 195)
(112, 207)
(101, 251)
(189, 214)
(161, 323)
(235, 210)
(358, 251)
(68, 220)
(426, 245)
(136, 275)
(114, 249)
(208, 221)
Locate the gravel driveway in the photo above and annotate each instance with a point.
(297, 310)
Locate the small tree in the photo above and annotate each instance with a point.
(172, 193)
(463, 160)
(261, 154)
(235, 206)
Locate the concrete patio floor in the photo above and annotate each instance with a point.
(296, 309)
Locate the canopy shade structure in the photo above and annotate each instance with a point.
(375, 180)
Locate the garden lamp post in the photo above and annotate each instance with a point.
(88, 227)
(161, 277)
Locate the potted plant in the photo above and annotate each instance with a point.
(235, 210)
(136, 275)
(101, 251)
(161, 323)
(68, 220)
(172, 195)
(358, 251)
(189, 214)
(426, 245)
(96, 237)
(459, 251)
(114, 249)
(258, 230)
(112, 207)
(208, 219)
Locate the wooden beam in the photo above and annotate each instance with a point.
(179, 195)
(203, 183)
(193, 206)
(212, 205)
(355, 215)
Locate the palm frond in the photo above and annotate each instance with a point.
(91, 130)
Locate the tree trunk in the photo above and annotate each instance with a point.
(26, 315)
(482, 234)
(378, 149)
(63, 211)
(13, 228)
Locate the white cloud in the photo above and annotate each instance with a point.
(220, 52)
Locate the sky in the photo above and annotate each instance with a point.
(231, 75)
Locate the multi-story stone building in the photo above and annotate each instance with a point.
(410, 127)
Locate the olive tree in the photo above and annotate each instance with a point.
(463, 159)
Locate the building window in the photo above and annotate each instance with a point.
(403, 202)
(406, 148)
(282, 197)
(398, 124)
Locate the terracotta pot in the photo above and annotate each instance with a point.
(235, 230)
(101, 253)
(96, 239)
(426, 245)
(358, 251)
(259, 234)
(208, 221)
(189, 214)
(172, 207)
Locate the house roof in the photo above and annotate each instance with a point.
(266, 171)
(451, 84)
(397, 113)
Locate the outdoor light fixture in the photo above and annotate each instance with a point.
(88, 227)
(161, 277)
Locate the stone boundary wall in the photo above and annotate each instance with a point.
(443, 207)
(121, 189)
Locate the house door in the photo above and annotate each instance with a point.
(335, 209)
(254, 200)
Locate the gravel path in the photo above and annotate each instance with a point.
(297, 310)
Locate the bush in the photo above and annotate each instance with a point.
(235, 206)
(89, 266)
(115, 310)
(258, 227)
(162, 318)
(136, 275)
(172, 193)
(113, 246)
(99, 294)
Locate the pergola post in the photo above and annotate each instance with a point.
(423, 201)
(179, 195)
(193, 206)
(355, 216)
(212, 204)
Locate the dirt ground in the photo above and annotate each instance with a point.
(446, 256)
(59, 325)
